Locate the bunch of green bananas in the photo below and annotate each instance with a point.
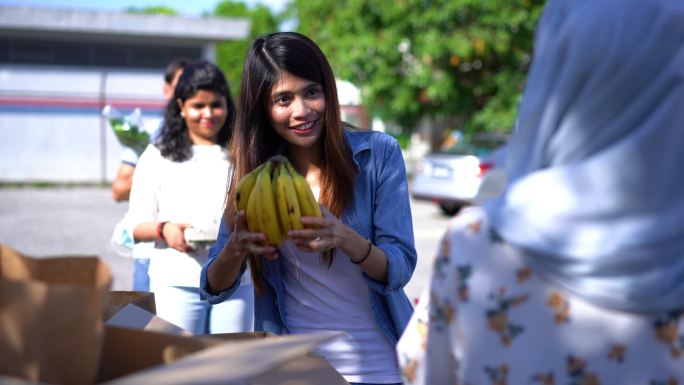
(275, 197)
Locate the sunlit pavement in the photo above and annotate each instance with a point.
(64, 221)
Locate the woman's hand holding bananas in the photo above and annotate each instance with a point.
(275, 198)
(242, 241)
(320, 233)
(274, 202)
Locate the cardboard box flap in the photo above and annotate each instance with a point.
(133, 317)
(242, 335)
(72, 270)
(231, 362)
(51, 324)
(119, 299)
(128, 350)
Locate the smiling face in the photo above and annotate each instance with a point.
(204, 114)
(296, 110)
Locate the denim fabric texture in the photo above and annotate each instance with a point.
(381, 212)
(141, 278)
(183, 307)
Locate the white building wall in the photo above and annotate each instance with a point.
(51, 122)
(57, 148)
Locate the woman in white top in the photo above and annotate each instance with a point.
(180, 182)
(576, 274)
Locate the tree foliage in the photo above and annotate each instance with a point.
(153, 10)
(230, 55)
(463, 59)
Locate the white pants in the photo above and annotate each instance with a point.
(182, 307)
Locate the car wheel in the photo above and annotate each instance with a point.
(450, 209)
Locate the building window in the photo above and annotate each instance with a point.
(111, 56)
(86, 54)
(72, 54)
(31, 52)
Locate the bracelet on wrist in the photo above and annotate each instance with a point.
(370, 248)
(160, 230)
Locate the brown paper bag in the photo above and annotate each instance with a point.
(51, 326)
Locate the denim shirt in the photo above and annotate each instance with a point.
(381, 212)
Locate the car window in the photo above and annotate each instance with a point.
(478, 146)
(460, 148)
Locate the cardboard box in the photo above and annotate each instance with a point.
(165, 355)
(133, 317)
(131, 356)
(211, 360)
(119, 299)
(51, 326)
(53, 318)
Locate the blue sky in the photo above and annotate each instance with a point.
(184, 7)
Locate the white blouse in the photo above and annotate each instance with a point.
(192, 192)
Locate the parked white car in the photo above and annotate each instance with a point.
(468, 172)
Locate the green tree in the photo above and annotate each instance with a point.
(462, 61)
(230, 55)
(153, 10)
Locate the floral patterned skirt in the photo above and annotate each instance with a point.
(486, 318)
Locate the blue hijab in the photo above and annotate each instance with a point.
(596, 166)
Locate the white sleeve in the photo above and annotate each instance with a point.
(143, 204)
(122, 241)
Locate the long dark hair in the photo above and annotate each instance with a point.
(174, 141)
(254, 140)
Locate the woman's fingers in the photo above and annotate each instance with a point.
(247, 242)
(241, 220)
(305, 234)
(309, 246)
(316, 221)
(257, 246)
(313, 240)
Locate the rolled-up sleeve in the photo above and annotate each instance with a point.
(393, 226)
(214, 251)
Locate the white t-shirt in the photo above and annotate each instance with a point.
(335, 298)
(192, 192)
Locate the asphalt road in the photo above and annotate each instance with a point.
(79, 221)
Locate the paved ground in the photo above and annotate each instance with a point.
(79, 221)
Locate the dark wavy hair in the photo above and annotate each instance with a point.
(174, 141)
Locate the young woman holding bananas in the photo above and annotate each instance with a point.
(345, 270)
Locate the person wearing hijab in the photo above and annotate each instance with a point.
(575, 275)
